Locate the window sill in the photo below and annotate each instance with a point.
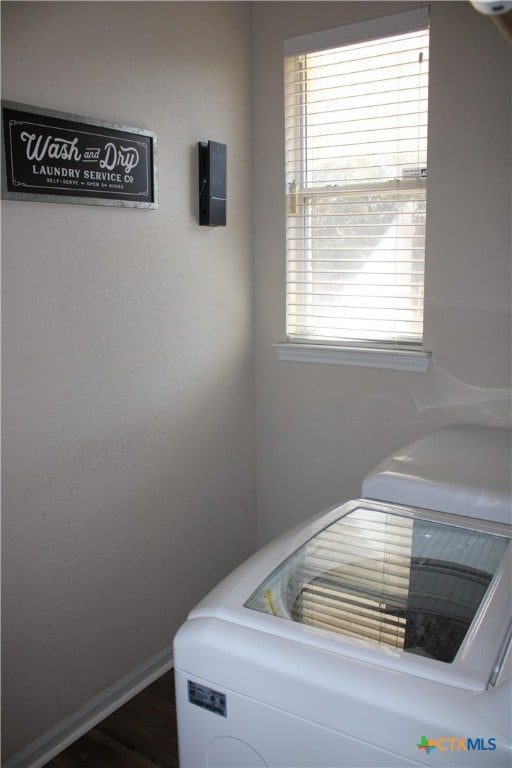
(364, 357)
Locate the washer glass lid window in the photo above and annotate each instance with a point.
(395, 580)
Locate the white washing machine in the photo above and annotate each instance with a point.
(376, 635)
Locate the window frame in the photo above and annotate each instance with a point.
(381, 354)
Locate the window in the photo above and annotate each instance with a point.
(356, 107)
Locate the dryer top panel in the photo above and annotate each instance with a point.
(464, 469)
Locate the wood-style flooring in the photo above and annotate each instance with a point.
(140, 734)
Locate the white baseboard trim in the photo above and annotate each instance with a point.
(73, 727)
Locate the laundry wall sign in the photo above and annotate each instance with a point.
(56, 157)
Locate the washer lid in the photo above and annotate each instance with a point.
(388, 578)
(418, 592)
(464, 469)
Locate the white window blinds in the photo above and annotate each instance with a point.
(356, 169)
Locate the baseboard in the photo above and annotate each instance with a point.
(73, 727)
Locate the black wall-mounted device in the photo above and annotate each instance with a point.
(212, 184)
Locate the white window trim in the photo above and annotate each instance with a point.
(395, 24)
(415, 359)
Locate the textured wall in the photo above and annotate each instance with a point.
(128, 380)
(322, 427)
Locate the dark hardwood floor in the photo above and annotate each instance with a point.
(140, 734)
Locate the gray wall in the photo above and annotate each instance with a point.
(320, 428)
(128, 378)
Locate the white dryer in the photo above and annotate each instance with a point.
(377, 634)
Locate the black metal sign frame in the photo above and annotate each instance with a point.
(50, 156)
